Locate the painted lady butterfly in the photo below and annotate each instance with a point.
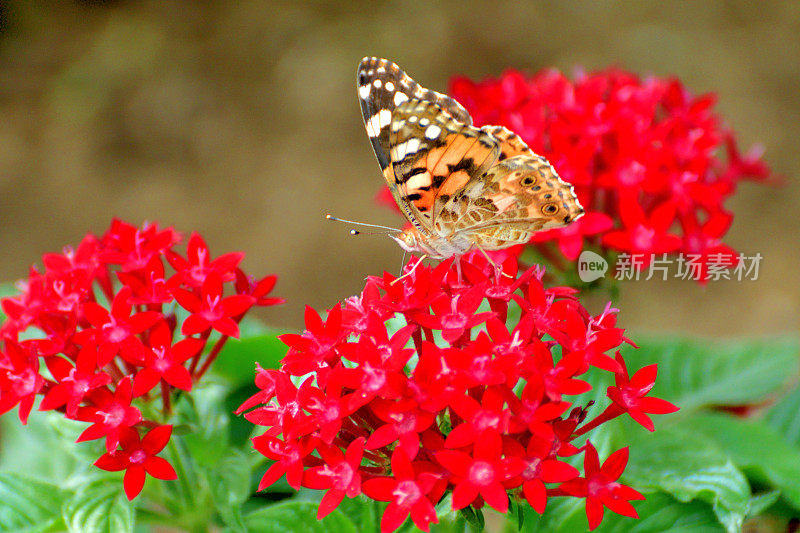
(461, 187)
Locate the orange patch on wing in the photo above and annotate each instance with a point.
(454, 182)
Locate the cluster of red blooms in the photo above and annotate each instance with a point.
(103, 320)
(410, 391)
(643, 155)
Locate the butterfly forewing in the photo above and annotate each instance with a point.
(382, 86)
(433, 156)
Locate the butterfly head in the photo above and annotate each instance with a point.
(409, 240)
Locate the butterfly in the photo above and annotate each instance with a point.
(462, 188)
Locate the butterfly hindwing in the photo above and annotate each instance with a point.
(515, 198)
(434, 156)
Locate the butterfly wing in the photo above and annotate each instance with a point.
(433, 156)
(510, 143)
(513, 199)
(382, 87)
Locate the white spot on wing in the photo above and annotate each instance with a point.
(363, 91)
(433, 131)
(374, 124)
(389, 86)
(377, 84)
(399, 98)
(424, 122)
(384, 118)
(403, 149)
(419, 180)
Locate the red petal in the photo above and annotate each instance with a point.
(144, 381)
(615, 464)
(95, 314)
(380, 488)
(273, 474)
(393, 517)
(160, 468)
(594, 512)
(195, 324)
(657, 406)
(456, 462)
(187, 300)
(156, 439)
(110, 463)
(536, 494)
(464, 494)
(134, 481)
(382, 436)
(620, 507)
(496, 496)
(144, 320)
(227, 327)
(329, 502)
(178, 377)
(183, 350)
(237, 304)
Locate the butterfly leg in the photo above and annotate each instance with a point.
(497, 267)
(421, 259)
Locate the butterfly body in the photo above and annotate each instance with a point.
(461, 187)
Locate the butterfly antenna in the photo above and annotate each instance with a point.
(356, 232)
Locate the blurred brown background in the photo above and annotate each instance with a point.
(240, 120)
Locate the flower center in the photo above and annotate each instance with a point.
(532, 469)
(454, 321)
(137, 457)
(481, 473)
(114, 332)
(485, 419)
(114, 416)
(407, 493)
(643, 237)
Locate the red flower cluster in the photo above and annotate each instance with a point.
(103, 319)
(412, 390)
(643, 156)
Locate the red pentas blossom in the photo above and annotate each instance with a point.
(651, 163)
(104, 338)
(422, 386)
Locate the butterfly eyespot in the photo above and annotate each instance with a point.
(550, 209)
(527, 181)
(548, 196)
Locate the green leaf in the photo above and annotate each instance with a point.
(364, 512)
(754, 447)
(296, 516)
(230, 487)
(236, 362)
(98, 509)
(658, 513)
(28, 504)
(688, 465)
(204, 411)
(474, 518)
(693, 373)
(760, 502)
(784, 417)
(6, 290)
(561, 515)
